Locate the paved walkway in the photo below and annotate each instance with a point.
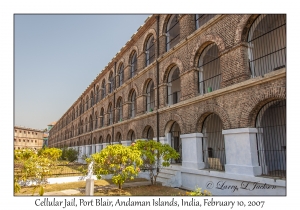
(106, 187)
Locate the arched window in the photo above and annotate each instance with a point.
(118, 137)
(121, 74)
(108, 139)
(213, 143)
(150, 133)
(92, 99)
(83, 108)
(103, 90)
(111, 82)
(96, 120)
(172, 32)
(132, 107)
(100, 140)
(133, 63)
(271, 138)
(174, 86)
(91, 123)
(209, 69)
(97, 94)
(119, 114)
(201, 19)
(150, 97)
(150, 50)
(102, 117)
(131, 135)
(86, 124)
(87, 102)
(176, 141)
(267, 44)
(110, 114)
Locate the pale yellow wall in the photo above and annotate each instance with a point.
(27, 138)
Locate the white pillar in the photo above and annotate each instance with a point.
(192, 150)
(104, 145)
(241, 151)
(93, 148)
(162, 139)
(169, 139)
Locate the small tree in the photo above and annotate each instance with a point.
(155, 155)
(120, 161)
(34, 167)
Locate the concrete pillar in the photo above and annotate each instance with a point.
(162, 139)
(241, 151)
(168, 139)
(192, 151)
(104, 145)
(89, 187)
(126, 143)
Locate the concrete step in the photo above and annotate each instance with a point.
(165, 175)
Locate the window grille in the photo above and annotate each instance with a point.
(201, 19)
(267, 44)
(172, 32)
(271, 138)
(213, 143)
(150, 51)
(209, 70)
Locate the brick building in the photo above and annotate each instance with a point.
(211, 86)
(27, 138)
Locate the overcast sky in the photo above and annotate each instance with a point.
(58, 56)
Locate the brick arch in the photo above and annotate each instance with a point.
(168, 66)
(121, 61)
(100, 138)
(147, 36)
(145, 84)
(145, 130)
(132, 127)
(130, 92)
(243, 28)
(170, 120)
(256, 102)
(132, 49)
(165, 23)
(106, 138)
(208, 109)
(204, 42)
(120, 94)
(120, 130)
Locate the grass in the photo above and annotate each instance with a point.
(101, 189)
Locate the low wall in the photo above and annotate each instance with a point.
(221, 183)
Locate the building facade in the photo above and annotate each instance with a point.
(27, 138)
(211, 86)
(46, 134)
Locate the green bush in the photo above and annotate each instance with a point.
(71, 154)
(198, 192)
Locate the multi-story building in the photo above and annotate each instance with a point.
(211, 86)
(28, 138)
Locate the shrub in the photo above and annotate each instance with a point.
(155, 155)
(32, 167)
(71, 154)
(120, 161)
(198, 192)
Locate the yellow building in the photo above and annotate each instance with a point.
(28, 138)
